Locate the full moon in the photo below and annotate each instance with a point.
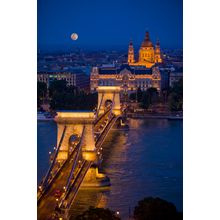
(74, 36)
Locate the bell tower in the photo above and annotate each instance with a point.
(157, 53)
(130, 53)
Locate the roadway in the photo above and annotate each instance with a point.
(48, 201)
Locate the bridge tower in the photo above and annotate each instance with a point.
(76, 123)
(109, 93)
(81, 124)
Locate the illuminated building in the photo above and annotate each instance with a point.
(148, 55)
(143, 74)
(129, 78)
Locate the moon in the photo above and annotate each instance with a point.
(74, 36)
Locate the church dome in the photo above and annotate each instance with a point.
(147, 42)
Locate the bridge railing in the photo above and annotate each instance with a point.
(40, 194)
(70, 195)
(101, 116)
(101, 137)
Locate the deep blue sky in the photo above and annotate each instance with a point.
(104, 24)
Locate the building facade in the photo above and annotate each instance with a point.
(129, 78)
(78, 79)
(148, 54)
(175, 76)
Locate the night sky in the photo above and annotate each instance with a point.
(103, 24)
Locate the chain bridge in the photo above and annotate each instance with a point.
(76, 158)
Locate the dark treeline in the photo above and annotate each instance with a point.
(151, 96)
(146, 98)
(147, 209)
(63, 97)
(175, 97)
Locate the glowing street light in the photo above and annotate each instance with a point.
(49, 152)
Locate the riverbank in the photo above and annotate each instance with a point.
(44, 116)
(154, 116)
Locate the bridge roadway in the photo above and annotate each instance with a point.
(47, 204)
(48, 201)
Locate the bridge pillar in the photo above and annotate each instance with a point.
(88, 143)
(111, 93)
(95, 179)
(75, 121)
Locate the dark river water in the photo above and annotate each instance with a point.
(146, 160)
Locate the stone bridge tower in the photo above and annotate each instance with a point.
(109, 93)
(76, 123)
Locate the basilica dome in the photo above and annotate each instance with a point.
(147, 42)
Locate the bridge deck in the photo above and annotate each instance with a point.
(48, 202)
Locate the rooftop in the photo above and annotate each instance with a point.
(73, 71)
(133, 69)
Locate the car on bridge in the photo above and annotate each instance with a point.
(57, 193)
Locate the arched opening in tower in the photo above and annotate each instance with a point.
(108, 104)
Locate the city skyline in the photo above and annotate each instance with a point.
(108, 25)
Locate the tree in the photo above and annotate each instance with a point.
(139, 94)
(174, 102)
(145, 101)
(175, 98)
(132, 96)
(57, 86)
(156, 209)
(73, 99)
(178, 87)
(97, 214)
(149, 97)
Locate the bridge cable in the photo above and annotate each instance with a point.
(74, 165)
(97, 112)
(55, 156)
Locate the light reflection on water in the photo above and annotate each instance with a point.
(144, 161)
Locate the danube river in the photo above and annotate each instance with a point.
(144, 161)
